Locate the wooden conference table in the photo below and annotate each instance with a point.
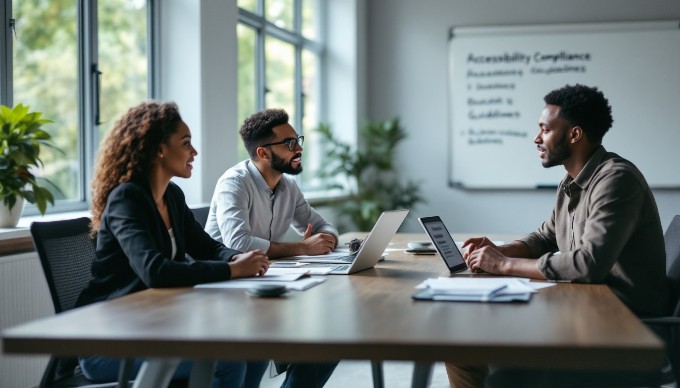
(369, 316)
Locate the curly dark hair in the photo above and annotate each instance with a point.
(257, 129)
(583, 106)
(129, 150)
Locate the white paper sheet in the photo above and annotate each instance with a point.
(245, 283)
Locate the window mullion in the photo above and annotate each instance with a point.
(297, 17)
(6, 53)
(153, 42)
(299, 99)
(87, 67)
(261, 75)
(257, 23)
(323, 66)
(261, 24)
(284, 35)
(291, 42)
(249, 18)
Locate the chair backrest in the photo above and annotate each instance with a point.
(66, 253)
(201, 214)
(672, 241)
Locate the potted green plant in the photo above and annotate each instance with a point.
(367, 173)
(21, 137)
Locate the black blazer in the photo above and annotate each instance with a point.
(134, 247)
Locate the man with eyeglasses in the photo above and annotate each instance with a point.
(257, 201)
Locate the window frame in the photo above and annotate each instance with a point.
(88, 92)
(263, 28)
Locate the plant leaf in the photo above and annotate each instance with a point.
(21, 139)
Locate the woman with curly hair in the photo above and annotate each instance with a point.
(144, 229)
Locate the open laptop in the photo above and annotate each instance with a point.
(443, 242)
(374, 245)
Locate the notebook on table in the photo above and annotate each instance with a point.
(374, 245)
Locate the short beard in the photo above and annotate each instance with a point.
(559, 154)
(280, 165)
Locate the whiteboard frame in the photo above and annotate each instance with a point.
(458, 32)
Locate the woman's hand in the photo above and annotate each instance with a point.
(253, 263)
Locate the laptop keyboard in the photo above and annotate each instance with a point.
(346, 259)
(340, 267)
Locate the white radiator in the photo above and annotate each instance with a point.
(24, 296)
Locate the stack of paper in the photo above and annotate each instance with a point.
(311, 268)
(476, 289)
(282, 274)
(291, 278)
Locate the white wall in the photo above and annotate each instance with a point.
(344, 30)
(407, 77)
(197, 69)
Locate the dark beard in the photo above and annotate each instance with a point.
(559, 154)
(280, 165)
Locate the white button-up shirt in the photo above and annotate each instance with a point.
(246, 215)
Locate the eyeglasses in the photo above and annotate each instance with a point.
(291, 143)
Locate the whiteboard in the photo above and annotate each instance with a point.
(499, 75)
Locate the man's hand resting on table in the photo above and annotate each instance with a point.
(318, 244)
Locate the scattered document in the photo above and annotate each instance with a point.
(281, 275)
(286, 264)
(465, 289)
(538, 285)
(310, 268)
(334, 257)
(388, 250)
(301, 284)
(328, 255)
(321, 270)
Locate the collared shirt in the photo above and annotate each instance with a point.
(605, 228)
(245, 214)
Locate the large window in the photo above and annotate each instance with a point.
(81, 63)
(280, 51)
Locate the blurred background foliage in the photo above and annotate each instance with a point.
(45, 67)
(367, 174)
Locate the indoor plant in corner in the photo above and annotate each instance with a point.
(21, 136)
(367, 174)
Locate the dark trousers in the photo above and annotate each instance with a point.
(228, 374)
(306, 374)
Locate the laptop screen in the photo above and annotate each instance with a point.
(445, 245)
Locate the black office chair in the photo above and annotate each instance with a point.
(201, 214)
(668, 328)
(66, 253)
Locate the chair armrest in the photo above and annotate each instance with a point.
(662, 321)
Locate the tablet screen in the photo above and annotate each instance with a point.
(445, 245)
